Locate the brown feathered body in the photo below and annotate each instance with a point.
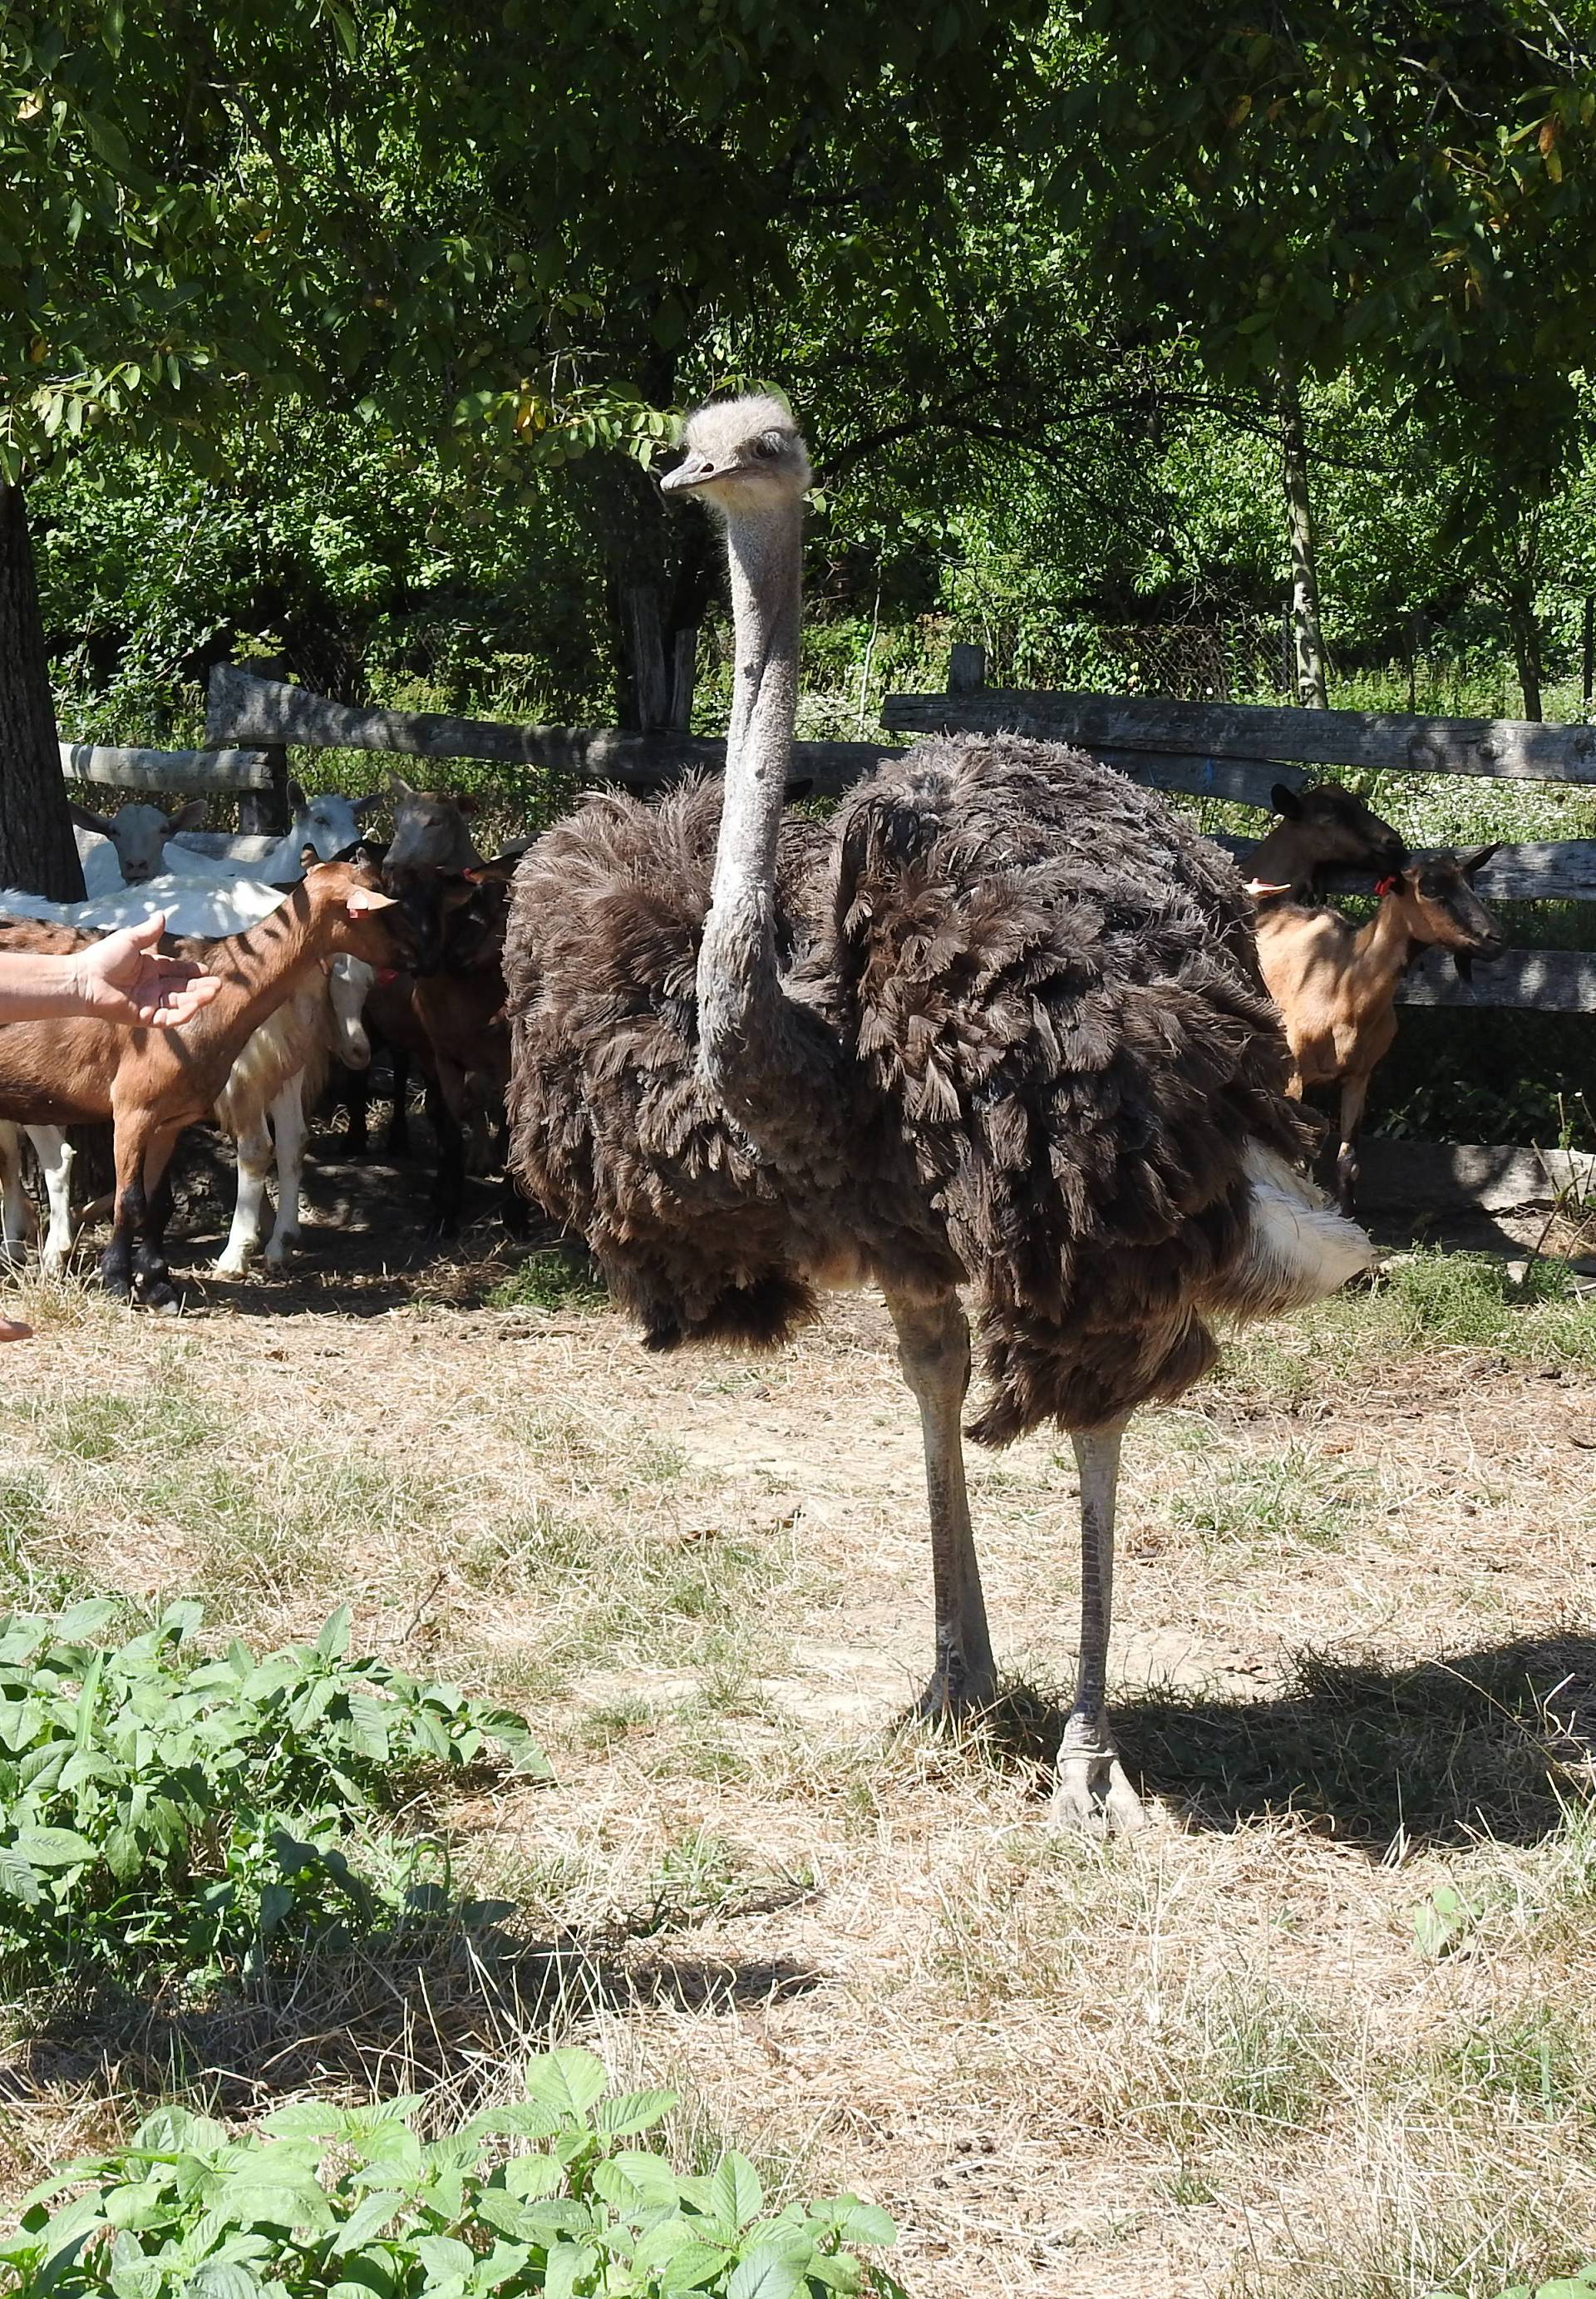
(1053, 1058)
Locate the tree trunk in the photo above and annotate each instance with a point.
(1312, 687)
(661, 565)
(1524, 624)
(38, 851)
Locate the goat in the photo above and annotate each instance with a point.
(429, 829)
(263, 1108)
(137, 836)
(447, 1015)
(271, 1091)
(1336, 982)
(1318, 829)
(329, 823)
(153, 1083)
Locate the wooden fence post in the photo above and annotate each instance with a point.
(966, 668)
(266, 813)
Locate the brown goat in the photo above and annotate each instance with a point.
(453, 1020)
(1336, 982)
(1318, 829)
(152, 1084)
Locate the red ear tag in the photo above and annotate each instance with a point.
(385, 975)
(1386, 885)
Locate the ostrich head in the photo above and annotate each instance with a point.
(741, 455)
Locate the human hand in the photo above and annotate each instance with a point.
(126, 979)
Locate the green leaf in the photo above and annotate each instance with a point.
(86, 1619)
(1443, 1921)
(222, 2278)
(52, 1848)
(332, 1642)
(18, 1879)
(853, 2221)
(733, 2193)
(633, 2110)
(766, 2273)
(568, 2081)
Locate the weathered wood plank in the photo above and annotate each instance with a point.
(1432, 1177)
(1247, 781)
(270, 711)
(1521, 749)
(1550, 981)
(227, 845)
(166, 770)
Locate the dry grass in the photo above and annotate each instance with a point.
(1245, 2057)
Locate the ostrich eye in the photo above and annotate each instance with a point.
(768, 443)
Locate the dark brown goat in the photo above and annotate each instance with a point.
(152, 1084)
(1317, 830)
(1336, 982)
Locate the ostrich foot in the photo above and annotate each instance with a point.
(1090, 1788)
(957, 1688)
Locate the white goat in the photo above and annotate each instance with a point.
(329, 822)
(136, 835)
(270, 1089)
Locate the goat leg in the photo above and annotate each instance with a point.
(396, 1142)
(1354, 1094)
(19, 1216)
(449, 1185)
(288, 1132)
(134, 1130)
(151, 1274)
(252, 1149)
(53, 1149)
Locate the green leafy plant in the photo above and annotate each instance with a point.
(161, 1810)
(1580, 2284)
(352, 2202)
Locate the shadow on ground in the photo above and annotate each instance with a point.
(1437, 1754)
(451, 2008)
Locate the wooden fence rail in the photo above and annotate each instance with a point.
(166, 770)
(244, 708)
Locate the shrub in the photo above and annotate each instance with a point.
(162, 1811)
(351, 2202)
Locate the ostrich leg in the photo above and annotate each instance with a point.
(1090, 1782)
(933, 1349)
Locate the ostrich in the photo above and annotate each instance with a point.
(995, 1027)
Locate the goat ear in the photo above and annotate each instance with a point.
(87, 820)
(398, 787)
(467, 804)
(296, 798)
(360, 902)
(1470, 863)
(364, 805)
(1285, 800)
(191, 816)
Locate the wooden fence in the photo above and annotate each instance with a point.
(1229, 750)
(1240, 751)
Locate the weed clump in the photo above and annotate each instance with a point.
(163, 1813)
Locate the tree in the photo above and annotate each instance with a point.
(1404, 191)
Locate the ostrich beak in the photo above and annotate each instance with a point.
(694, 468)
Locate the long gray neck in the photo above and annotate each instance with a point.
(744, 1018)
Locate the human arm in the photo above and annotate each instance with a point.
(123, 978)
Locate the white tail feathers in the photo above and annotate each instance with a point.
(1301, 1247)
